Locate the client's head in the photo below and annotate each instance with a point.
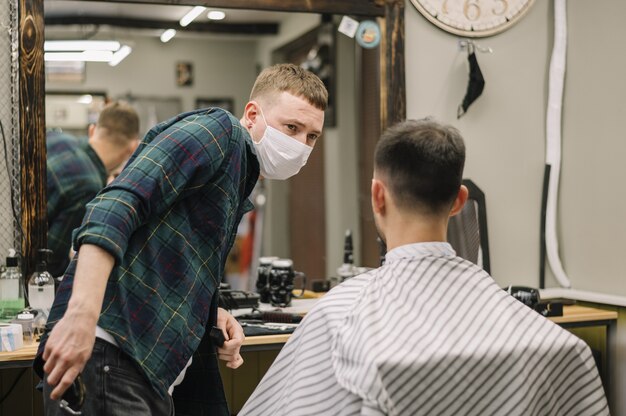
(418, 168)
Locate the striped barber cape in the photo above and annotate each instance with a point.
(428, 334)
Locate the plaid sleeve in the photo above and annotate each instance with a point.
(182, 157)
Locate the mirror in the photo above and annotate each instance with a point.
(32, 136)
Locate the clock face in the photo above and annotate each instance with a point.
(473, 18)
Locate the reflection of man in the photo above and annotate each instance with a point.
(78, 169)
(135, 302)
(428, 333)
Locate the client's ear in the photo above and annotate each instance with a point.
(378, 197)
(460, 200)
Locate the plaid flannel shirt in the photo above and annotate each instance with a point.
(169, 219)
(75, 175)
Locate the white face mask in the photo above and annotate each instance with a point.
(280, 156)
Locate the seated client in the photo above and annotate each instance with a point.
(428, 333)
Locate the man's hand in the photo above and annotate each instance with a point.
(67, 350)
(71, 341)
(233, 333)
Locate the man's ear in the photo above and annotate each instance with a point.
(250, 113)
(378, 197)
(459, 201)
(91, 130)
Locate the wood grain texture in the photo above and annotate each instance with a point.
(571, 314)
(369, 121)
(28, 352)
(32, 131)
(248, 28)
(352, 7)
(393, 93)
(577, 313)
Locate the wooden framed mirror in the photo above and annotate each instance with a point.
(388, 96)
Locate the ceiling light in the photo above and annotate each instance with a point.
(90, 56)
(216, 15)
(85, 99)
(80, 45)
(189, 17)
(120, 55)
(167, 35)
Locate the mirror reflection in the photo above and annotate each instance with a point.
(167, 69)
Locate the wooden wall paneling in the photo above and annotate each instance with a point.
(393, 89)
(245, 380)
(369, 128)
(37, 395)
(307, 197)
(20, 401)
(307, 217)
(352, 7)
(32, 131)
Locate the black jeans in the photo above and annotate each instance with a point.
(113, 386)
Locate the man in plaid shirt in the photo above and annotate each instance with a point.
(78, 169)
(134, 304)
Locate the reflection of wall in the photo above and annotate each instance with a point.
(340, 154)
(341, 158)
(222, 68)
(71, 113)
(275, 231)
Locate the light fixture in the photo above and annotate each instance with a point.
(86, 51)
(167, 35)
(91, 56)
(80, 45)
(216, 15)
(120, 55)
(85, 99)
(190, 17)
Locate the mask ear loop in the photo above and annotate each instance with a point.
(265, 121)
(263, 115)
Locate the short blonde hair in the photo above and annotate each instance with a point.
(294, 80)
(120, 121)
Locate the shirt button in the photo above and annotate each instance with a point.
(106, 368)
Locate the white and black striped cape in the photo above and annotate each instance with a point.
(428, 334)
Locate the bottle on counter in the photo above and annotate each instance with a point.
(41, 285)
(11, 288)
(347, 269)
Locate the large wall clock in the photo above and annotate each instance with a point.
(473, 18)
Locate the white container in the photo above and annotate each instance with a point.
(41, 287)
(41, 297)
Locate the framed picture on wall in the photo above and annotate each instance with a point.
(224, 103)
(184, 74)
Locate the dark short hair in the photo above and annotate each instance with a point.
(422, 163)
(294, 80)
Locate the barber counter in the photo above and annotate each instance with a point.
(17, 381)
